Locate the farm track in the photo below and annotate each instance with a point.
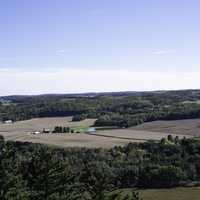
(117, 137)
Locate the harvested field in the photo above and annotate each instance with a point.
(73, 140)
(38, 124)
(20, 131)
(131, 134)
(177, 127)
(180, 193)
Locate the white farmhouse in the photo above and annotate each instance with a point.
(8, 122)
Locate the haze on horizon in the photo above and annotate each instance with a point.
(97, 46)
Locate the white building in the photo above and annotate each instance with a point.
(8, 122)
(35, 133)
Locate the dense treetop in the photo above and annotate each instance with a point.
(33, 171)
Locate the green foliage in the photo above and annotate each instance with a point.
(77, 118)
(112, 109)
(123, 195)
(38, 172)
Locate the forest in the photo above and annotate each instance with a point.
(123, 109)
(38, 172)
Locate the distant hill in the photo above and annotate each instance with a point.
(121, 109)
(190, 92)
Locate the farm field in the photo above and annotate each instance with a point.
(188, 127)
(171, 194)
(46, 122)
(131, 134)
(20, 131)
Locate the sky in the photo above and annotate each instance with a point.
(72, 46)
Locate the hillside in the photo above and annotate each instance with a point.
(123, 109)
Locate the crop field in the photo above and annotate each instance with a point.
(171, 194)
(131, 134)
(38, 124)
(20, 131)
(178, 127)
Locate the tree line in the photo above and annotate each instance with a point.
(121, 110)
(39, 172)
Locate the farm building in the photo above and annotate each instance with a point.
(35, 133)
(8, 122)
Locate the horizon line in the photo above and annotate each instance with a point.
(101, 92)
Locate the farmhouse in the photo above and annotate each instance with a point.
(35, 132)
(8, 122)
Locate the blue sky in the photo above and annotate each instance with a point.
(131, 42)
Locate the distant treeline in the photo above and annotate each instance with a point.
(38, 172)
(122, 110)
(173, 112)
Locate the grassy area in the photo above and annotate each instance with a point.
(79, 129)
(171, 194)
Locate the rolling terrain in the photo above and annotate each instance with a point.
(20, 131)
